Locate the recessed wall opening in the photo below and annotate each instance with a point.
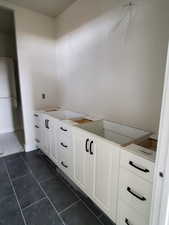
(11, 122)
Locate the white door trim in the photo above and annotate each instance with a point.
(160, 198)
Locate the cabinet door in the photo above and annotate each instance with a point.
(37, 129)
(43, 133)
(83, 171)
(52, 135)
(106, 172)
(46, 133)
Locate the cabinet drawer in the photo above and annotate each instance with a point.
(138, 165)
(64, 143)
(37, 134)
(64, 130)
(66, 163)
(135, 191)
(128, 216)
(37, 119)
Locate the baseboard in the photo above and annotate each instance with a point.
(30, 147)
(6, 131)
(10, 130)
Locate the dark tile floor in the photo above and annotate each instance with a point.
(33, 192)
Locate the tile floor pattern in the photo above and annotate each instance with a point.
(32, 192)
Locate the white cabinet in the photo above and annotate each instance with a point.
(65, 148)
(118, 180)
(126, 216)
(49, 140)
(37, 129)
(97, 169)
(106, 173)
(135, 186)
(84, 149)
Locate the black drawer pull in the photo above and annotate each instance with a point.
(47, 124)
(91, 152)
(62, 163)
(136, 195)
(127, 221)
(36, 115)
(143, 170)
(86, 144)
(37, 140)
(36, 126)
(63, 145)
(63, 129)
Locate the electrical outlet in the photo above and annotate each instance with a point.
(43, 95)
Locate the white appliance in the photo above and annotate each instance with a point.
(8, 97)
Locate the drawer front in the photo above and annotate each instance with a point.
(66, 162)
(37, 119)
(37, 136)
(128, 216)
(65, 155)
(138, 165)
(135, 191)
(64, 143)
(64, 130)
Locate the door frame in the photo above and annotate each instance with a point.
(160, 195)
(17, 61)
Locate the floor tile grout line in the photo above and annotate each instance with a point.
(39, 183)
(100, 216)
(34, 203)
(69, 207)
(92, 213)
(10, 180)
(71, 188)
(61, 219)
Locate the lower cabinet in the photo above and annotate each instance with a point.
(127, 216)
(97, 169)
(106, 173)
(84, 149)
(37, 129)
(65, 148)
(48, 137)
(116, 179)
(135, 187)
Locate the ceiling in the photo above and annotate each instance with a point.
(47, 7)
(6, 18)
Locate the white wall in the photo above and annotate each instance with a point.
(111, 60)
(36, 54)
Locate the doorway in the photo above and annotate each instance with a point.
(11, 122)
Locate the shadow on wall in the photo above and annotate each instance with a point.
(114, 61)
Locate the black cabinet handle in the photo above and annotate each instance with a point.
(36, 115)
(47, 124)
(127, 221)
(143, 170)
(64, 165)
(37, 140)
(136, 195)
(65, 146)
(91, 152)
(63, 129)
(86, 144)
(36, 126)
